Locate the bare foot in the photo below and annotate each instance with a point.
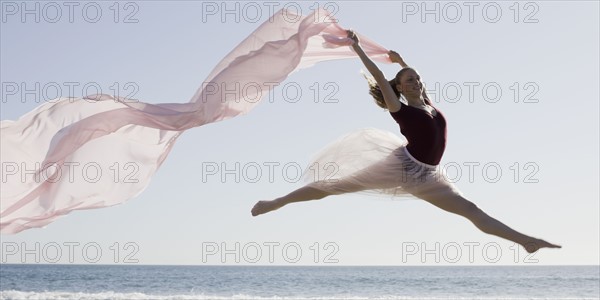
(537, 244)
(263, 207)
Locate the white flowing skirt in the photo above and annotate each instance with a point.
(375, 162)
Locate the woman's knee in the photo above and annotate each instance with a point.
(451, 203)
(472, 212)
(316, 193)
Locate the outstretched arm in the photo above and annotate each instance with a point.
(391, 100)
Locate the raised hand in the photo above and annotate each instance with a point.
(396, 58)
(352, 35)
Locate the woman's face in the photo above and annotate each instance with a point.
(410, 84)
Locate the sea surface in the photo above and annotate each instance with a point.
(32, 281)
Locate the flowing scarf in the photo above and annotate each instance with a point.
(98, 151)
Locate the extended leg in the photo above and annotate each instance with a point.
(305, 193)
(361, 180)
(461, 206)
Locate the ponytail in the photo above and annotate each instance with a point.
(375, 90)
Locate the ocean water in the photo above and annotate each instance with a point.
(297, 282)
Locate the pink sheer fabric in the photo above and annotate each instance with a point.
(98, 151)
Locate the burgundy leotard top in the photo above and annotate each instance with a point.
(426, 134)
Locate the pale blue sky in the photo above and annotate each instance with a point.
(171, 49)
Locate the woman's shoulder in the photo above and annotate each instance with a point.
(402, 104)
